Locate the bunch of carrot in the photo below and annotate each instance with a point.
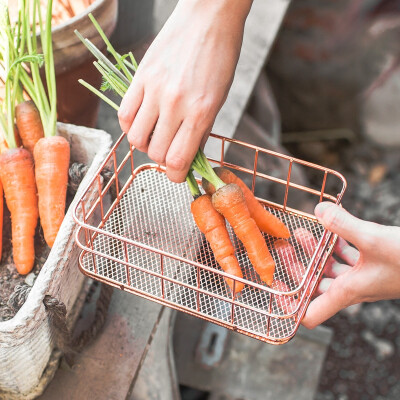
(35, 176)
(227, 196)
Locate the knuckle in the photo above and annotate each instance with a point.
(123, 117)
(137, 141)
(347, 292)
(204, 106)
(156, 155)
(335, 218)
(308, 324)
(174, 97)
(176, 163)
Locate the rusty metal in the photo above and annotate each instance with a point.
(146, 243)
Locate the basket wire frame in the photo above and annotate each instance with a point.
(148, 244)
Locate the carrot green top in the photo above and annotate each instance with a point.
(18, 46)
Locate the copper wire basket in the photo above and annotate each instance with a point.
(146, 242)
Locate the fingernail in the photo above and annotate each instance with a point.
(321, 208)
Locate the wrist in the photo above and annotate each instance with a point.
(234, 10)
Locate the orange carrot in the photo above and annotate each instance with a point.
(29, 124)
(18, 179)
(1, 219)
(266, 221)
(287, 254)
(51, 167)
(229, 200)
(212, 224)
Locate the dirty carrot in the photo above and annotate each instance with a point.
(266, 221)
(51, 168)
(29, 124)
(18, 179)
(212, 224)
(294, 269)
(51, 152)
(229, 200)
(16, 164)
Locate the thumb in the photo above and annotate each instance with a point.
(339, 221)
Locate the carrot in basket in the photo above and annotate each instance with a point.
(229, 200)
(29, 124)
(212, 224)
(266, 221)
(18, 179)
(51, 168)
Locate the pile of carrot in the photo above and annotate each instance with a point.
(232, 199)
(35, 175)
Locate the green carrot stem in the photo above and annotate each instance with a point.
(41, 98)
(193, 186)
(49, 67)
(3, 124)
(201, 165)
(110, 48)
(133, 60)
(98, 93)
(114, 83)
(101, 57)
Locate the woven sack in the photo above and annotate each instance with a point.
(26, 342)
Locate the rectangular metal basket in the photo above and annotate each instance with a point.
(148, 244)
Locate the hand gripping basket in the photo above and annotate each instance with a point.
(148, 244)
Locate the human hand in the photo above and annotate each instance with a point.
(182, 82)
(369, 273)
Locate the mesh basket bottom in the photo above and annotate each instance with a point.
(156, 212)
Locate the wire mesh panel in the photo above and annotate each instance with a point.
(147, 243)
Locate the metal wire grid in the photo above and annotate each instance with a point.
(160, 254)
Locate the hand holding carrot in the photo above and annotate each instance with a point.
(369, 273)
(183, 80)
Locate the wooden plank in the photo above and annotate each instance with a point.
(106, 368)
(157, 377)
(261, 29)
